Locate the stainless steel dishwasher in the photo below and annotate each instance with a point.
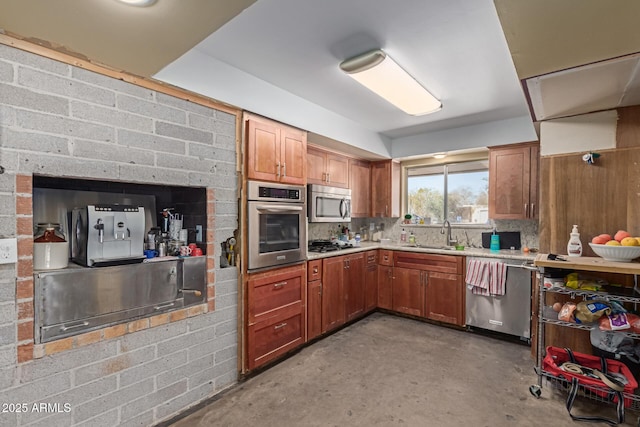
(509, 313)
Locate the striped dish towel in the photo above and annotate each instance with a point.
(487, 277)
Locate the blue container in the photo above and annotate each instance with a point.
(495, 243)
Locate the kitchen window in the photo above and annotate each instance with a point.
(454, 191)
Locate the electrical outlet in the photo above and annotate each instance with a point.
(8, 251)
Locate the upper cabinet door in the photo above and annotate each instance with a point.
(263, 150)
(385, 189)
(316, 166)
(275, 152)
(360, 188)
(513, 182)
(327, 168)
(293, 156)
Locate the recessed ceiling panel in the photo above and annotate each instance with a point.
(594, 87)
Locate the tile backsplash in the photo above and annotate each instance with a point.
(470, 236)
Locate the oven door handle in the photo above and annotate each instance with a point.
(273, 208)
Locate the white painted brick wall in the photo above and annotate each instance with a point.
(59, 120)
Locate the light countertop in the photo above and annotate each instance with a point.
(477, 252)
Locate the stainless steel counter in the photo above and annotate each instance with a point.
(365, 246)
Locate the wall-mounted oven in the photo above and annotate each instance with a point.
(277, 226)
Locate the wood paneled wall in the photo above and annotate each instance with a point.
(600, 198)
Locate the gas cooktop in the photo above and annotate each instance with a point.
(327, 246)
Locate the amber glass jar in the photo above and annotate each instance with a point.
(48, 232)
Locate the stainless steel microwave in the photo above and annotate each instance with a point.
(328, 204)
(277, 226)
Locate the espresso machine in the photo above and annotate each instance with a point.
(107, 234)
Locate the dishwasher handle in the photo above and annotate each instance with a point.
(525, 266)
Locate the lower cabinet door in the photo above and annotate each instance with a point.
(314, 309)
(445, 298)
(269, 339)
(371, 287)
(385, 287)
(408, 291)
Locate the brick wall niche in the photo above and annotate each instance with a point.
(49, 199)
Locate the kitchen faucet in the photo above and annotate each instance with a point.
(447, 224)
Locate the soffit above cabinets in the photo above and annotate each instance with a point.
(593, 87)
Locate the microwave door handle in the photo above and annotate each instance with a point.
(343, 212)
(272, 208)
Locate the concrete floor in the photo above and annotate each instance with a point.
(386, 370)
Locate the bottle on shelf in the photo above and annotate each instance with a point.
(574, 247)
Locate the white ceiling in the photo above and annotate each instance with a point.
(455, 48)
(279, 58)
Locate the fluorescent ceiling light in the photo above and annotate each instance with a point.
(439, 155)
(141, 3)
(379, 73)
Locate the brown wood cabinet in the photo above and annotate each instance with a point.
(276, 315)
(360, 184)
(354, 291)
(314, 299)
(385, 189)
(385, 279)
(327, 168)
(429, 285)
(513, 181)
(371, 281)
(333, 307)
(445, 298)
(408, 291)
(275, 152)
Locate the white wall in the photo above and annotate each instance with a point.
(500, 132)
(245, 91)
(585, 133)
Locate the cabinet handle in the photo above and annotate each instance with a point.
(526, 210)
(278, 169)
(533, 207)
(279, 285)
(284, 169)
(280, 326)
(315, 270)
(328, 179)
(65, 328)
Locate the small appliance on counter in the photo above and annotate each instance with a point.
(105, 235)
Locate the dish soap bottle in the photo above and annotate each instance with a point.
(403, 236)
(412, 238)
(574, 247)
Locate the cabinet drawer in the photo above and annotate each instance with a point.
(274, 337)
(385, 257)
(431, 262)
(371, 257)
(270, 293)
(314, 270)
